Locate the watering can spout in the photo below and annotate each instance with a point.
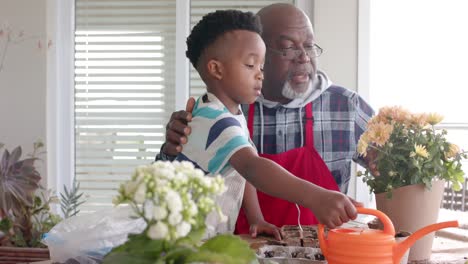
(401, 247)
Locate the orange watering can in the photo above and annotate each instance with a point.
(370, 246)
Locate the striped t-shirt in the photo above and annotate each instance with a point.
(216, 135)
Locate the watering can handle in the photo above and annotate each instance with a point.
(387, 223)
(388, 226)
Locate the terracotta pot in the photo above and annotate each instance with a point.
(412, 208)
(23, 255)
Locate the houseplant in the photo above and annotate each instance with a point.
(25, 213)
(412, 161)
(174, 200)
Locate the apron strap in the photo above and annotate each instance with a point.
(309, 135)
(309, 126)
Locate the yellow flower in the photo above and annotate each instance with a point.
(421, 151)
(379, 133)
(419, 120)
(394, 113)
(452, 152)
(392, 134)
(434, 118)
(363, 144)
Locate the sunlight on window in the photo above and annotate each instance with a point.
(418, 56)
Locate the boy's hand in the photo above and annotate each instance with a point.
(335, 209)
(177, 129)
(263, 227)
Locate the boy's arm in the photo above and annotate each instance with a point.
(254, 214)
(330, 207)
(250, 204)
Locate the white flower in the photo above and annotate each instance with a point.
(159, 212)
(219, 186)
(181, 177)
(148, 206)
(175, 196)
(165, 173)
(140, 173)
(158, 231)
(193, 209)
(175, 218)
(198, 173)
(130, 188)
(183, 229)
(174, 201)
(161, 182)
(140, 194)
(206, 182)
(187, 165)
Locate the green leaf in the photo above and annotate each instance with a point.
(142, 245)
(71, 200)
(5, 225)
(226, 249)
(178, 255)
(194, 237)
(125, 258)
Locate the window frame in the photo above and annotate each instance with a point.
(60, 101)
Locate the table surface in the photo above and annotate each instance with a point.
(450, 245)
(445, 251)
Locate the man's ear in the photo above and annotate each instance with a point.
(215, 69)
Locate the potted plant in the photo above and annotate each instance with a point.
(174, 200)
(411, 163)
(25, 213)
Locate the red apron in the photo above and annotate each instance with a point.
(303, 162)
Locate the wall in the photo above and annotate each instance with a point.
(336, 25)
(23, 77)
(336, 29)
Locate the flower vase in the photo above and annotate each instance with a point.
(411, 208)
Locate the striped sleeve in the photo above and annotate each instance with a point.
(225, 137)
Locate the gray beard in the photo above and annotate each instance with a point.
(290, 93)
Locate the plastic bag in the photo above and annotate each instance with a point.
(88, 238)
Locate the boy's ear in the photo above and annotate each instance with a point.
(215, 69)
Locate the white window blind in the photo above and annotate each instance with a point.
(124, 90)
(199, 8)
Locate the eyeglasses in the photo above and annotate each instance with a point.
(291, 54)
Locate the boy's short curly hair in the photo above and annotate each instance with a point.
(216, 24)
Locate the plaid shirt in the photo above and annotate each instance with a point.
(340, 117)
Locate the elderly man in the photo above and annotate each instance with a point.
(301, 121)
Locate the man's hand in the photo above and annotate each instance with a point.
(263, 227)
(177, 129)
(371, 161)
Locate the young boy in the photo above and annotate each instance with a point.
(226, 49)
